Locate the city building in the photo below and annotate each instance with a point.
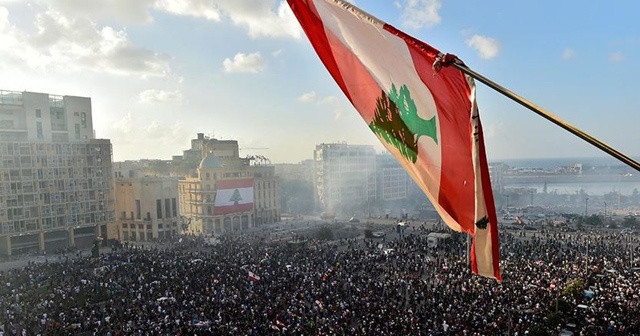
(229, 193)
(295, 171)
(143, 167)
(55, 177)
(147, 208)
(345, 177)
(193, 154)
(392, 179)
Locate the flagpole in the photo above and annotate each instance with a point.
(458, 64)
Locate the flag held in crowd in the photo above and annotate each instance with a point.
(427, 119)
(253, 277)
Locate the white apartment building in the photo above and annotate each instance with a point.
(393, 180)
(345, 176)
(55, 177)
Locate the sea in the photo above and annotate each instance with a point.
(591, 188)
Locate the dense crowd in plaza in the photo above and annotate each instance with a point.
(247, 285)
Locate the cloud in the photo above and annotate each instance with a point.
(328, 100)
(130, 130)
(308, 97)
(124, 11)
(419, 13)
(616, 57)
(486, 47)
(159, 96)
(198, 8)
(312, 97)
(251, 63)
(494, 129)
(76, 44)
(261, 19)
(567, 54)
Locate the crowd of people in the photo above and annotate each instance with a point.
(249, 285)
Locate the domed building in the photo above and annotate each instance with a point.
(229, 193)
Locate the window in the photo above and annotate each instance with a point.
(158, 208)
(83, 119)
(38, 113)
(174, 211)
(77, 126)
(167, 208)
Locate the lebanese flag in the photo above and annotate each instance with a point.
(253, 277)
(427, 119)
(233, 196)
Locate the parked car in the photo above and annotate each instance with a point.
(378, 234)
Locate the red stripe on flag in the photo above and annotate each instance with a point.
(457, 174)
(232, 184)
(227, 209)
(306, 13)
(491, 207)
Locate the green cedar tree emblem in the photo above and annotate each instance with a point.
(396, 120)
(235, 197)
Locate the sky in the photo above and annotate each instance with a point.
(160, 71)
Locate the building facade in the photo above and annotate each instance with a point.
(229, 193)
(392, 179)
(55, 177)
(345, 176)
(147, 208)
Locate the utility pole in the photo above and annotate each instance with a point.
(605, 213)
(586, 268)
(586, 205)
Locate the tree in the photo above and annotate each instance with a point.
(574, 288)
(538, 330)
(368, 233)
(325, 233)
(630, 222)
(236, 197)
(296, 196)
(593, 220)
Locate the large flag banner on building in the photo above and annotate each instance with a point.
(427, 119)
(233, 196)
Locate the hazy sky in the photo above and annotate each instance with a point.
(160, 71)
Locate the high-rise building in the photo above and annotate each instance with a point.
(345, 176)
(229, 193)
(392, 179)
(55, 177)
(147, 208)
